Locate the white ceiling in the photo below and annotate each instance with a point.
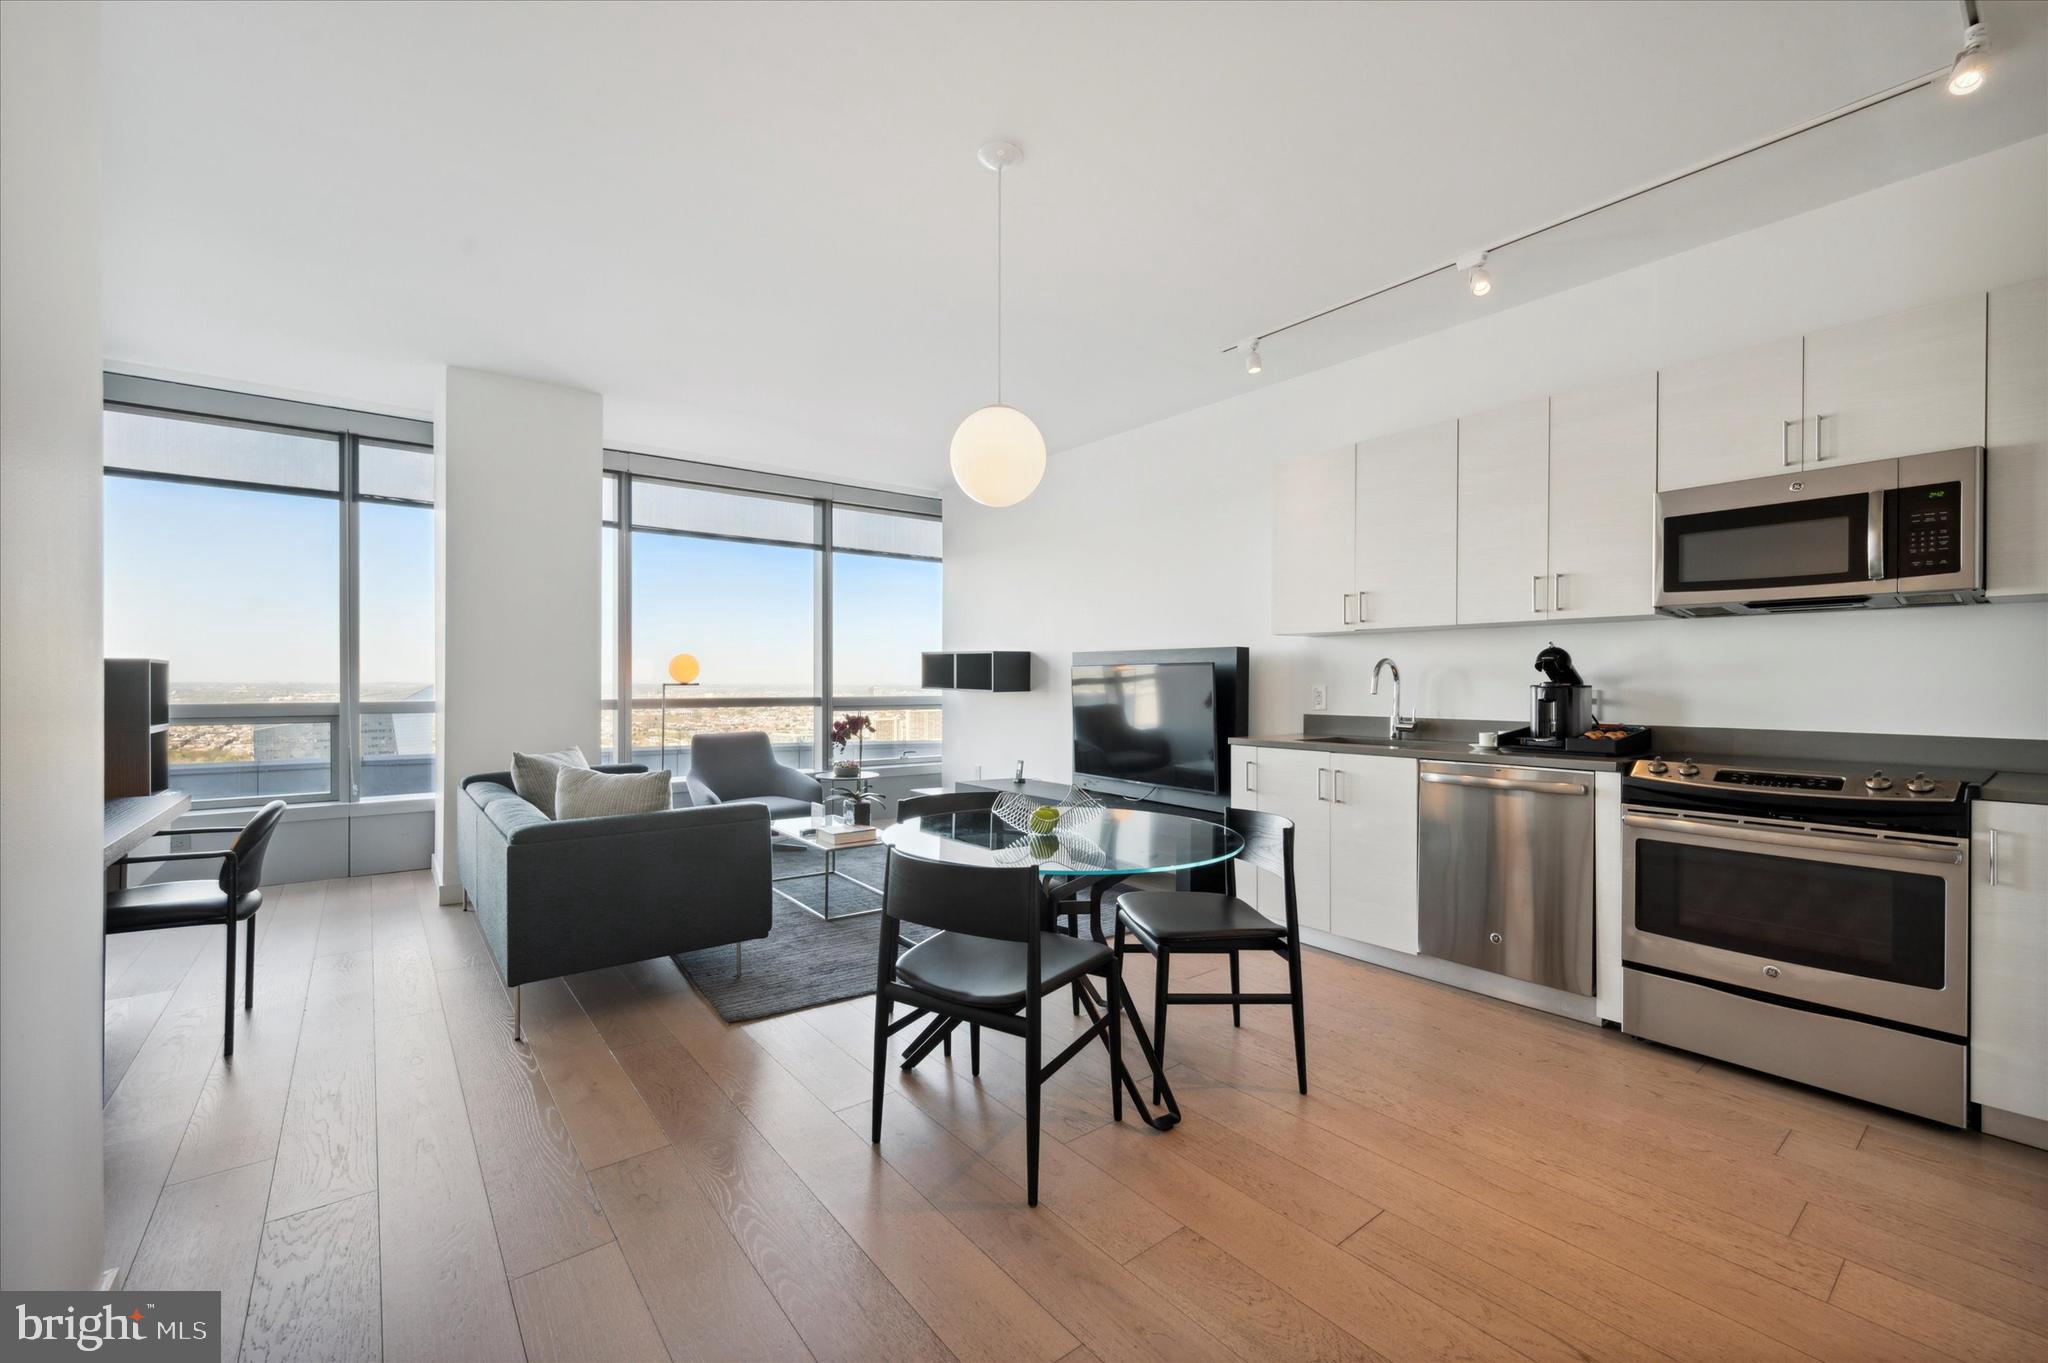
(760, 230)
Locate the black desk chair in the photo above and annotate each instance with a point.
(234, 897)
(1171, 923)
(990, 965)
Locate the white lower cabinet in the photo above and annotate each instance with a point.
(1372, 850)
(1354, 840)
(2009, 958)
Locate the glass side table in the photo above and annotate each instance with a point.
(860, 785)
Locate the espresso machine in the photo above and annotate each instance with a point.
(1561, 705)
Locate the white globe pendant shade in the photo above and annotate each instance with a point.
(998, 456)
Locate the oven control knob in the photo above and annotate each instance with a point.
(1771, 971)
(1877, 781)
(1920, 785)
(1688, 769)
(1655, 766)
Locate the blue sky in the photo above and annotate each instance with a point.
(242, 586)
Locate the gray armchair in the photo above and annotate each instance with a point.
(731, 768)
(559, 896)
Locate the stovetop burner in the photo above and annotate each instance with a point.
(1802, 790)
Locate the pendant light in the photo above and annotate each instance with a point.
(998, 456)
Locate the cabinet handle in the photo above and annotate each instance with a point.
(1994, 856)
(1539, 593)
(1347, 610)
(1361, 605)
(1250, 770)
(1791, 459)
(1557, 591)
(1337, 785)
(1819, 447)
(1321, 773)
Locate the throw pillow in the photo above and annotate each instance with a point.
(533, 775)
(584, 794)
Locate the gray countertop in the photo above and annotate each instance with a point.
(1431, 749)
(2011, 770)
(2017, 788)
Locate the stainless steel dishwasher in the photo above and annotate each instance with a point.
(1506, 870)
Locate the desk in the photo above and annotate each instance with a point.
(133, 819)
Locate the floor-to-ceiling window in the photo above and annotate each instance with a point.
(280, 556)
(802, 602)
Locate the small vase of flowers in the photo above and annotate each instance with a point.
(849, 729)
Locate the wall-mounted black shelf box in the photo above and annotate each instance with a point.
(995, 671)
(138, 724)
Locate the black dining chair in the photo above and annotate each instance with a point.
(932, 806)
(1171, 923)
(990, 964)
(233, 897)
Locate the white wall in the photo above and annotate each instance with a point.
(51, 783)
(516, 543)
(1159, 537)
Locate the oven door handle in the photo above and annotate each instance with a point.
(1876, 848)
(1445, 778)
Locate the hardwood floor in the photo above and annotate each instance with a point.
(382, 1172)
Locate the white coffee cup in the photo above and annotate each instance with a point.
(1487, 738)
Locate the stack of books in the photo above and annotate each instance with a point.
(844, 834)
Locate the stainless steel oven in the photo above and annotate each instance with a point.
(1812, 924)
(1890, 532)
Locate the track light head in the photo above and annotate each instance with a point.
(1973, 63)
(1476, 277)
(1252, 363)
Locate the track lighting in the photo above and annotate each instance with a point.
(1972, 63)
(1476, 277)
(1252, 363)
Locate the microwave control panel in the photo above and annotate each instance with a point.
(1930, 529)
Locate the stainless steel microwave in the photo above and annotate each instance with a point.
(1890, 532)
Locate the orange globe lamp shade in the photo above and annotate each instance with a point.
(683, 668)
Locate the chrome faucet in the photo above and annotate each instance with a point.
(1396, 726)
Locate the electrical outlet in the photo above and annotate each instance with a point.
(181, 842)
(977, 771)
(1319, 699)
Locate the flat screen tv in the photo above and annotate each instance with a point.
(1149, 724)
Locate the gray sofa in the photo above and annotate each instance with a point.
(555, 897)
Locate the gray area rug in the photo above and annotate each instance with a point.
(804, 961)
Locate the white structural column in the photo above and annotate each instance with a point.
(516, 543)
(51, 779)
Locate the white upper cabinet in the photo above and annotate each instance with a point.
(1603, 498)
(1730, 417)
(1313, 511)
(1372, 891)
(1407, 519)
(2016, 442)
(1906, 384)
(1503, 516)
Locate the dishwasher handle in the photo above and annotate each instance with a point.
(1447, 778)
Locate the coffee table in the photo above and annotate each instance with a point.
(804, 831)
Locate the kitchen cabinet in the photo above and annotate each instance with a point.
(1910, 383)
(2009, 957)
(1728, 417)
(1244, 794)
(1503, 515)
(1372, 890)
(1295, 784)
(1407, 529)
(2016, 442)
(1313, 509)
(1603, 499)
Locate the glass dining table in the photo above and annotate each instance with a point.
(1088, 854)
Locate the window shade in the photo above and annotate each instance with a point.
(886, 532)
(220, 451)
(732, 515)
